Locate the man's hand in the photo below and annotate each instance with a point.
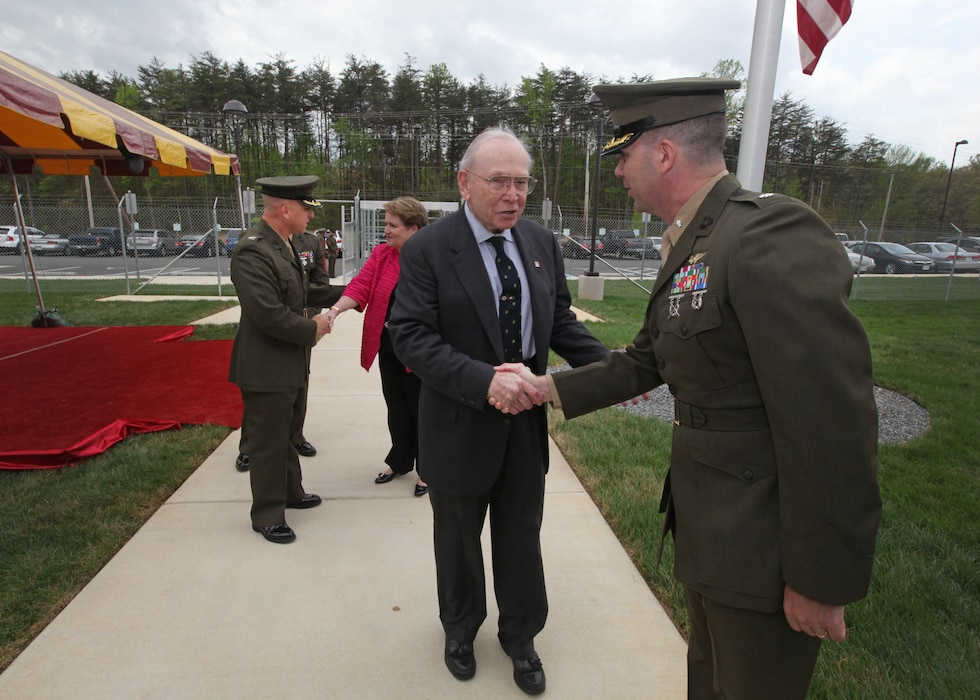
(324, 324)
(514, 389)
(635, 400)
(812, 617)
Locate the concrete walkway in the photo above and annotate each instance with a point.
(197, 605)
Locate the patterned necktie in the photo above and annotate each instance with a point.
(509, 309)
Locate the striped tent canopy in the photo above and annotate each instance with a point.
(48, 122)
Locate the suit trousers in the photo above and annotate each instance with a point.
(274, 470)
(401, 392)
(736, 653)
(516, 505)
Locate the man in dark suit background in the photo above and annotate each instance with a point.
(772, 493)
(445, 327)
(270, 357)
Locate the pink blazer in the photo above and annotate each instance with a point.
(371, 289)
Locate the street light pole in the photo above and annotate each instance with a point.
(596, 104)
(237, 111)
(949, 181)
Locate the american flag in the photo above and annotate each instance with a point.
(818, 22)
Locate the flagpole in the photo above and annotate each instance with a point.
(761, 85)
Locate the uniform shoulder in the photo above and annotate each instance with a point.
(762, 200)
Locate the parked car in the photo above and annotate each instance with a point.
(199, 245)
(971, 243)
(48, 244)
(231, 239)
(153, 241)
(943, 254)
(11, 242)
(858, 261)
(645, 248)
(615, 241)
(97, 240)
(580, 247)
(894, 257)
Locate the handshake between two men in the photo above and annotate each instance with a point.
(515, 388)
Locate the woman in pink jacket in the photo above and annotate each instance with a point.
(372, 292)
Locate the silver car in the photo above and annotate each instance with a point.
(858, 261)
(943, 254)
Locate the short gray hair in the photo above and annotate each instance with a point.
(702, 137)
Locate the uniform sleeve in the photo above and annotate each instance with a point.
(789, 283)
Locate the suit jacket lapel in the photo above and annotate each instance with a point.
(472, 274)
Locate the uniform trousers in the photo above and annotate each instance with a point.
(295, 431)
(736, 653)
(274, 471)
(401, 391)
(516, 504)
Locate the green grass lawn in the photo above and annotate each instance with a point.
(916, 635)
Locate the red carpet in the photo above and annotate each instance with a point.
(72, 392)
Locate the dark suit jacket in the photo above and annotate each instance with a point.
(272, 347)
(749, 323)
(444, 327)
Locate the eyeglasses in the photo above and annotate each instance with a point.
(502, 183)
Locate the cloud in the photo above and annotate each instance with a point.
(902, 70)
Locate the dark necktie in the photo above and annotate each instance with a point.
(509, 309)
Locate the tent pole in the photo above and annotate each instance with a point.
(23, 231)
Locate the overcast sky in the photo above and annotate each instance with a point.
(905, 71)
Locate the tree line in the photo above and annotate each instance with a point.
(365, 131)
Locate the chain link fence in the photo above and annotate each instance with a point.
(204, 268)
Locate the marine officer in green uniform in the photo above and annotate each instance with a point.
(772, 493)
(270, 358)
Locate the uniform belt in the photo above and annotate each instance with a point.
(725, 419)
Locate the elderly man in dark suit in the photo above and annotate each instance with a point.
(477, 288)
(270, 358)
(772, 493)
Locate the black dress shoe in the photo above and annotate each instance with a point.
(384, 478)
(305, 449)
(421, 489)
(460, 660)
(241, 462)
(280, 534)
(310, 500)
(529, 675)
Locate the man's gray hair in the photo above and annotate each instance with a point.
(494, 132)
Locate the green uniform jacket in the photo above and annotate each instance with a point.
(773, 467)
(272, 347)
